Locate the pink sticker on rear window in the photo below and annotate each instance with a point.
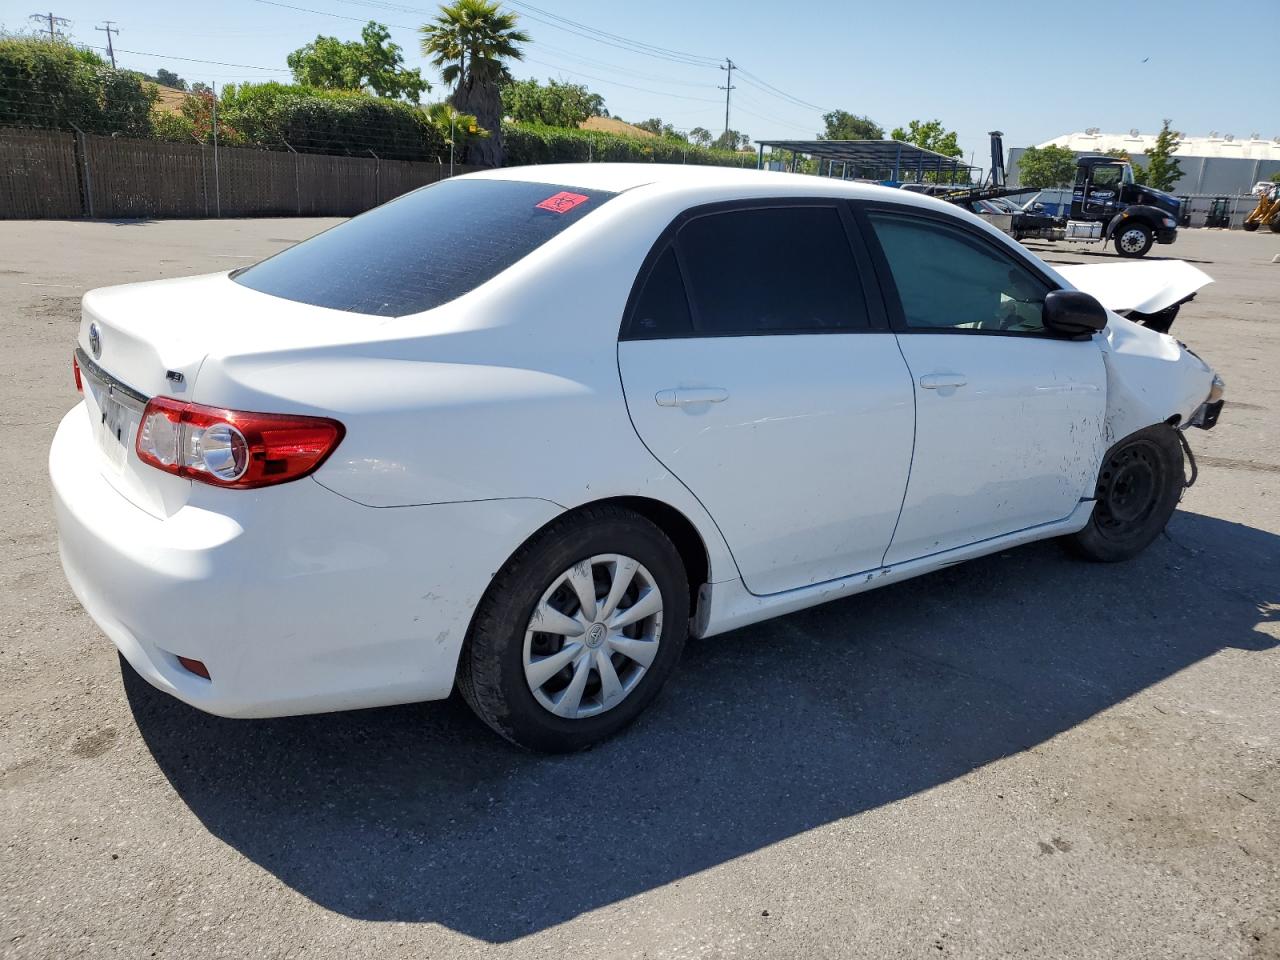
(562, 202)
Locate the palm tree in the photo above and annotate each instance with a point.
(470, 42)
(453, 128)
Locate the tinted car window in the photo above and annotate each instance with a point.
(949, 279)
(662, 308)
(423, 249)
(774, 270)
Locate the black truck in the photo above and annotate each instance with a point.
(1106, 206)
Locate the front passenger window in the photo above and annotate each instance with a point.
(947, 279)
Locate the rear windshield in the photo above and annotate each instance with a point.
(423, 249)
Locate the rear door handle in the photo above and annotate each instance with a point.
(685, 396)
(935, 381)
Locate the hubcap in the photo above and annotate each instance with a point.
(1129, 490)
(1132, 240)
(592, 636)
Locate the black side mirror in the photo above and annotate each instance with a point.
(1073, 314)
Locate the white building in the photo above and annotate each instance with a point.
(1219, 164)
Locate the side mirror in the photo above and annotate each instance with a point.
(1038, 207)
(1073, 313)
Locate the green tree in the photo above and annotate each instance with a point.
(470, 42)
(194, 121)
(931, 135)
(842, 125)
(664, 130)
(555, 104)
(1275, 177)
(455, 130)
(1163, 170)
(371, 63)
(1045, 167)
(701, 136)
(731, 140)
(170, 79)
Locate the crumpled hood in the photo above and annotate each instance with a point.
(1142, 286)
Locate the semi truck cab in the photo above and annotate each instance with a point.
(1106, 204)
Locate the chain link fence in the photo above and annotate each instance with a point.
(55, 174)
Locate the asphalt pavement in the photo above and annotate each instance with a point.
(1024, 755)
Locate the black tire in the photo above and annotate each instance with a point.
(1139, 486)
(1275, 225)
(1125, 239)
(1249, 226)
(491, 675)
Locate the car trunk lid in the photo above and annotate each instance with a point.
(138, 341)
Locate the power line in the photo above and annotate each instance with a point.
(216, 63)
(755, 81)
(326, 13)
(617, 83)
(54, 22)
(109, 30)
(663, 51)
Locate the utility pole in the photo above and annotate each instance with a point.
(54, 22)
(728, 86)
(109, 30)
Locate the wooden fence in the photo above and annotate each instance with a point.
(51, 174)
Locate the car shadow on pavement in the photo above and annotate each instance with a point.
(420, 814)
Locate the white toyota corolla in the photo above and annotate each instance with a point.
(527, 430)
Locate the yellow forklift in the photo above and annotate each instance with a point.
(1267, 212)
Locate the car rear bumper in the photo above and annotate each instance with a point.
(296, 599)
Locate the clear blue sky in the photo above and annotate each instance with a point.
(1031, 73)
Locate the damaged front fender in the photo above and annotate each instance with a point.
(1151, 378)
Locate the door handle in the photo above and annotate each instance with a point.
(936, 381)
(685, 396)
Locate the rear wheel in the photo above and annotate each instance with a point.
(1133, 239)
(1138, 488)
(1250, 226)
(1275, 225)
(578, 632)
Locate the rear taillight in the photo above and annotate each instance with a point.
(232, 448)
(75, 367)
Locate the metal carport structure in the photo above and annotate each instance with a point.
(873, 159)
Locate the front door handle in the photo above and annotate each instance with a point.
(936, 381)
(685, 396)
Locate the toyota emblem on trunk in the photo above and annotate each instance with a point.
(95, 340)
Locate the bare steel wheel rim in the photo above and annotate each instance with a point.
(1129, 490)
(593, 635)
(1132, 240)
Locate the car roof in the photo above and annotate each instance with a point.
(664, 177)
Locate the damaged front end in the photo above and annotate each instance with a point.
(1206, 415)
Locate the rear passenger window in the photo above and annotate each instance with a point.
(773, 270)
(662, 309)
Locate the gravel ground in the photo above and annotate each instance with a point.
(1022, 755)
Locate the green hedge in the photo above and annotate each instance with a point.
(328, 121)
(52, 85)
(528, 143)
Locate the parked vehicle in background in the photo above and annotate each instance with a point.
(1219, 214)
(527, 430)
(1267, 212)
(1107, 206)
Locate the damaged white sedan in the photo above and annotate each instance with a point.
(527, 430)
